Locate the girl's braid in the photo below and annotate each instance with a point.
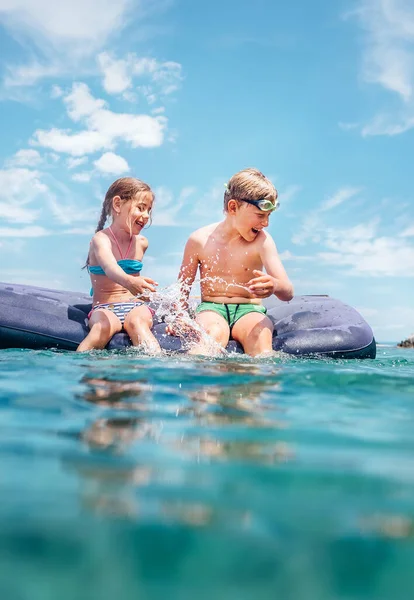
(103, 217)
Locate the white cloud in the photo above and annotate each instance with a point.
(397, 319)
(339, 197)
(147, 92)
(31, 277)
(20, 186)
(286, 195)
(161, 78)
(360, 249)
(33, 231)
(79, 26)
(312, 227)
(56, 92)
(287, 255)
(111, 163)
(368, 312)
(82, 177)
(89, 230)
(72, 163)
(28, 75)
(389, 31)
(164, 273)
(80, 103)
(24, 198)
(367, 255)
(17, 214)
(309, 230)
(388, 60)
(409, 232)
(167, 208)
(116, 73)
(25, 158)
(158, 111)
(168, 76)
(104, 127)
(63, 38)
(209, 207)
(66, 211)
(388, 124)
(76, 144)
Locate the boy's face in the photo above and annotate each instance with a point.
(250, 221)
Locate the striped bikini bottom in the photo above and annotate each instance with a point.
(120, 309)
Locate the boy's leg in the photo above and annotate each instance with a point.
(103, 325)
(216, 327)
(254, 331)
(138, 324)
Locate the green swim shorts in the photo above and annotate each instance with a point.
(231, 312)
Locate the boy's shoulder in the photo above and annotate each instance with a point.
(201, 233)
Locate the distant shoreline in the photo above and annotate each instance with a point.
(408, 343)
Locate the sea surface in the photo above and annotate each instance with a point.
(125, 476)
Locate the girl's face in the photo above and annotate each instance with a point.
(135, 213)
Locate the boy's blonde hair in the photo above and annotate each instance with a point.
(250, 184)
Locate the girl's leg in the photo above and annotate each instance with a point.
(138, 323)
(103, 325)
(254, 331)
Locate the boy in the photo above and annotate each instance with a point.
(231, 255)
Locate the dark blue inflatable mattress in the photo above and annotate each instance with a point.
(32, 317)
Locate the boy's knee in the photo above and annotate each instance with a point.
(215, 331)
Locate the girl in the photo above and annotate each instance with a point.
(115, 262)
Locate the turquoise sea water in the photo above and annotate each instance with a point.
(125, 476)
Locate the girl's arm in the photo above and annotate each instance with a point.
(101, 246)
(275, 280)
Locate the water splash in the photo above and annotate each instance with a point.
(168, 305)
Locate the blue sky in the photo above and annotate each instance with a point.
(182, 94)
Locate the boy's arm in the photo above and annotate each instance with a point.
(101, 246)
(275, 280)
(188, 269)
(182, 325)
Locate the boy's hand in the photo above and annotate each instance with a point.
(140, 285)
(263, 285)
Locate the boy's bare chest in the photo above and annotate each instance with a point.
(230, 259)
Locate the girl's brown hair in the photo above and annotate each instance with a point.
(126, 188)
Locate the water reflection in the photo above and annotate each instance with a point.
(209, 412)
(160, 438)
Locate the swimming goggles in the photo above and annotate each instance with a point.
(265, 205)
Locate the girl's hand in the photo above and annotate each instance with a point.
(263, 285)
(184, 328)
(140, 285)
(180, 318)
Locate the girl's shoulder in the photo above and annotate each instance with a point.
(142, 241)
(100, 237)
(100, 234)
